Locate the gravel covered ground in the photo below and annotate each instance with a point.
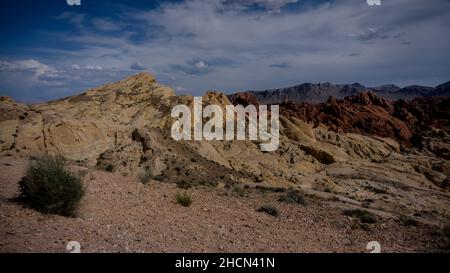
(120, 214)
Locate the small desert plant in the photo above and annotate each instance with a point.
(183, 184)
(293, 196)
(184, 199)
(159, 178)
(363, 215)
(240, 190)
(269, 209)
(50, 188)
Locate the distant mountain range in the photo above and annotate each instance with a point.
(320, 92)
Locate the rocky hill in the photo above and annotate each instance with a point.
(358, 152)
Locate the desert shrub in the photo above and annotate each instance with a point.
(408, 221)
(363, 215)
(50, 188)
(269, 209)
(144, 176)
(159, 178)
(183, 184)
(270, 189)
(105, 166)
(292, 197)
(369, 218)
(184, 199)
(240, 191)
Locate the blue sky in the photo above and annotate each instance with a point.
(51, 50)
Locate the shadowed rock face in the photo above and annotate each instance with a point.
(244, 99)
(424, 112)
(364, 113)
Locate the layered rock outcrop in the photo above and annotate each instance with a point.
(349, 148)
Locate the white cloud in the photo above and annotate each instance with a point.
(180, 89)
(267, 4)
(138, 66)
(40, 71)
(200, 65)
(193, 67)
(86, 67)
(93, 67)
(203, 45)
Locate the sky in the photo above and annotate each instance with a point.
(51, 50)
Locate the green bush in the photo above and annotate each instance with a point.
(293, 196)
(184, 199)
(269, 209)
(49, 188)
(369, 218)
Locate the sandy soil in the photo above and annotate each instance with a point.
(120, 214)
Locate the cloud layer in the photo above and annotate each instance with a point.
(237, 45)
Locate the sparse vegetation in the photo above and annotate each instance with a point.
(363, 215)
(184, 199)
(270, 189)
(50, 188)
(183, 184)
(159, 178)
(292, 197)
(104, 166)
(269, 209)
(408, 221)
